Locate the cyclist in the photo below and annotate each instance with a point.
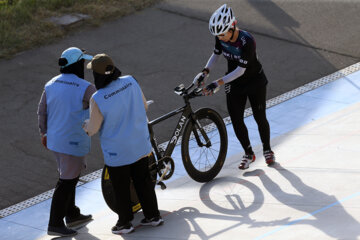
(62, 108)
(118, 110)
(245, 79)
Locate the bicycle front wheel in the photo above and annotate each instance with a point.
(204, 145)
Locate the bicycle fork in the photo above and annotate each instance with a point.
(203, 133)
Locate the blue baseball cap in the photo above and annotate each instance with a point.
(72, 55)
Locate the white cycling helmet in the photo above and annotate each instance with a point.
(221, 20)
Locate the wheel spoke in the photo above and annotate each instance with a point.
(203, 160)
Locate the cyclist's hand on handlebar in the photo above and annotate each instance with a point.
(199, 80)
(211, 88)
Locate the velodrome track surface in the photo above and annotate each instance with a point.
(162, 47)
(313, 190)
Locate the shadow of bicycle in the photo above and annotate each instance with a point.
(232, 196)
(195, 220)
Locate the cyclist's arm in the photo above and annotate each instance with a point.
(215, 56)
(230, 76)
(238, 72)
(212, 61)
(92, 125)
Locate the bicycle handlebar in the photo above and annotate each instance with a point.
(182, 91)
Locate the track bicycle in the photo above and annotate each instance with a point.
(204, 145)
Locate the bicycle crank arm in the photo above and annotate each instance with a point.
(162, 185)
(159, 182)
(165, 172)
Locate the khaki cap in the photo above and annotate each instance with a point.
(102, 64)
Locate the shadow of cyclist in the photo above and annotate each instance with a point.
(311, 198)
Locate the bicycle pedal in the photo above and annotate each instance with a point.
(162, 185)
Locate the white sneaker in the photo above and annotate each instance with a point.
(269, 157)
(246, 161)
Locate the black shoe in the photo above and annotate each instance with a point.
(156, 221)
(71, 222)
(61, 231)
(127, 228)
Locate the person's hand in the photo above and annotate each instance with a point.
(85, 126)
(199, 79)
(85, 123)
(44, 140)
(211, 88)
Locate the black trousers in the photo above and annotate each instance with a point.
(139, 173)
(63, 202)
(236, 106)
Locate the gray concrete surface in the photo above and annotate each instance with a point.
(305, 197)
(163, 46)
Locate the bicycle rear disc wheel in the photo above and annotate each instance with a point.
(204, 161)
(109, 194)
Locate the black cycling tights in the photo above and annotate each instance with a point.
(236, 107)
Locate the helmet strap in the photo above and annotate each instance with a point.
(233, 32)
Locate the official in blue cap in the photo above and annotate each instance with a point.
(62, 109)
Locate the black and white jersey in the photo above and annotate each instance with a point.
(242, 53)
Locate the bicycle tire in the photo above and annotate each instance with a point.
(217, 134)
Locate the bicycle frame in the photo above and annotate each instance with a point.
(187, 114)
